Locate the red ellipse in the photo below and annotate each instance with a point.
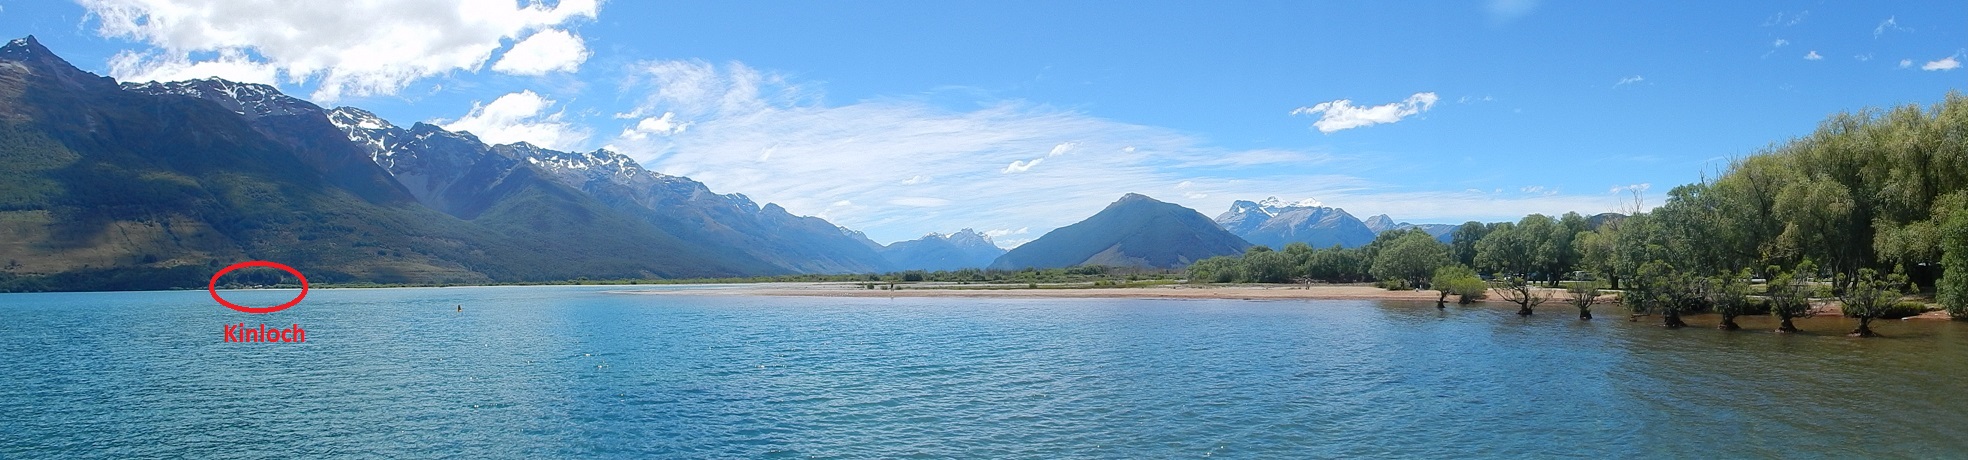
(214, 287)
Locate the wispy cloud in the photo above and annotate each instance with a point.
(1813, 56)
(1891, 24)
(1006, 165)
(1019, 166)
(1629, 80)
(1642, 187)
(1340, 115)
(1905, 63)
(1502, 11)
(1786, 19)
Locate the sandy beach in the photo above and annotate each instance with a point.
(1178, 291)
(1172, 291)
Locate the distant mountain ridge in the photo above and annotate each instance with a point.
(964, 249)
(1271, 222)
(1135, 231)
(1382, 223)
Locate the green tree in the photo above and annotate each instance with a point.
(1520, 291)
(1412, 257)
(1583, 295)
(1729, 295)
(1868, 296)
(1790, 294)
(1507, 250)
(1457, 280)
(1462, 241)
(1664, 290)
(1952, 288)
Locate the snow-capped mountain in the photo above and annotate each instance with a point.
(251, 100)
(1275, 223)
(964, 249)
(458, 174)
(196, 172)
(430, 161)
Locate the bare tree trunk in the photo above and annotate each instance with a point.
(1585, 313)
(1728, 323)
(1786, 327)
(1864, 330)
(1672, 319)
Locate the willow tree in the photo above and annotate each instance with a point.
(1868, 296)
(1459, 281)
(1583, 295)
(1411, 258)
(1520, 291)
(1667, 291)
(1790, 294)
(1952, 287)
(1728, 294)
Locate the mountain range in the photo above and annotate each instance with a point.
(107, 185)
(1135, 231)
(1381, 223)
(1272, 222)
(935, 251)
(155, 185)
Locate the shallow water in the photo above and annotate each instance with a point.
(585, 372)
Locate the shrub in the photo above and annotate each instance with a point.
(1904, 309)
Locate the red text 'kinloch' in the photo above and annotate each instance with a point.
(241, 333)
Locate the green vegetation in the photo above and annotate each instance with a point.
(1457, 280)
(1876, 191)
(1870, 296)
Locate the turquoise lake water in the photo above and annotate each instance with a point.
(585, 372)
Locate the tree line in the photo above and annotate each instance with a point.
(1870, 206)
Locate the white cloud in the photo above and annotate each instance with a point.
(1629, 81)
(917, 179)
(1779, 43)
(551, 50)
(352, 47)
(1813, 56)
(1946, 63)
(1061, 149)
(1862, 57)
(1341, 114)
(520, 117)
(1019, 166)
(665, 125)
(1905, 63)
(230, 64)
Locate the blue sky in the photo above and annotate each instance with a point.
(902, 118)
